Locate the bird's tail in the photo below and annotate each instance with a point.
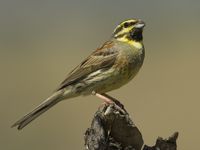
(43, 107)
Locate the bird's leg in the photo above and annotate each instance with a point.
(110, 100)
(103, 97)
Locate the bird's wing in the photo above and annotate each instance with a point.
(103, 57)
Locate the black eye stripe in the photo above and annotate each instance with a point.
(128, 24)
(124, 25)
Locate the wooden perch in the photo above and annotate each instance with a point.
(113, 129)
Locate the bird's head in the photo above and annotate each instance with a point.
(129, 30)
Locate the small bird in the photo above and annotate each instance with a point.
(109, 67)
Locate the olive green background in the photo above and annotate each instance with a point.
(41, 41)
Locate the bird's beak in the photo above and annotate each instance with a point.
(140, 24)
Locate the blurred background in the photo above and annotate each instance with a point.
(41, 41)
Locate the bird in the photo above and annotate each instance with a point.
(107, 68)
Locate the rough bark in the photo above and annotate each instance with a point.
(113, 129)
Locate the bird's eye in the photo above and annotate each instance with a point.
(126, 25)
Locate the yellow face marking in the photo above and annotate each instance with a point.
(123, 29)
(122, 33)
(136, 44)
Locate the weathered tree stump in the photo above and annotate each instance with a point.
(113, 129)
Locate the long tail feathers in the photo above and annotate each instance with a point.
(43, 107)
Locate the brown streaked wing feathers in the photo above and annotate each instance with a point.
(103, 57)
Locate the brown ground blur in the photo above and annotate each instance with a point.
(40, 42)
